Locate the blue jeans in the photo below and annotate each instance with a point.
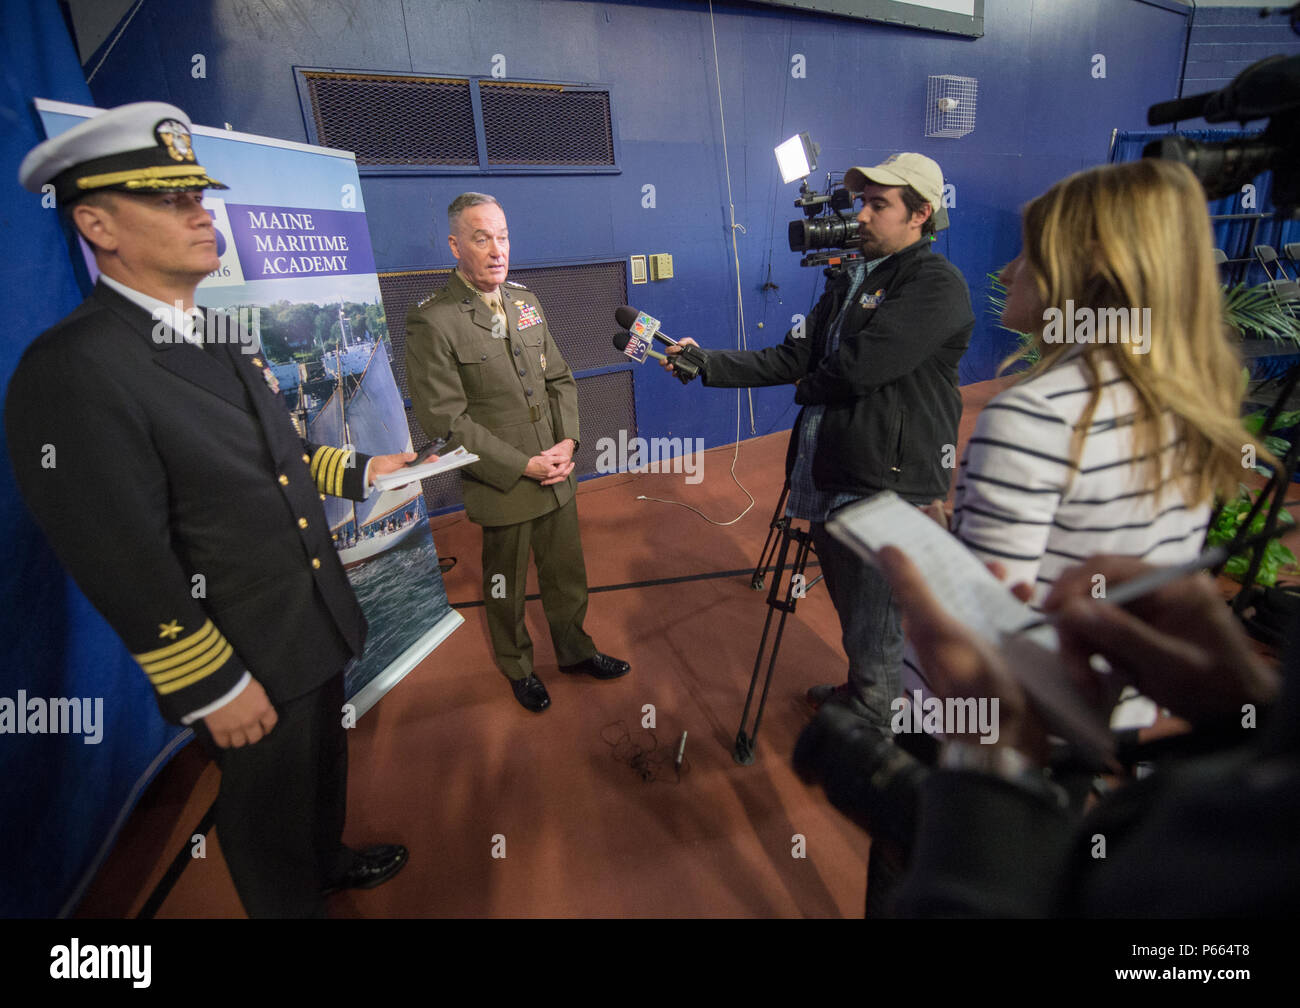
(870, 627)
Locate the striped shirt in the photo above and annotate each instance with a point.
(1020, 501)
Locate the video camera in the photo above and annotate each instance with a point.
(829, 222)
(1267, 89)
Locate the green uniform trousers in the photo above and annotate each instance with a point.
(556, 546)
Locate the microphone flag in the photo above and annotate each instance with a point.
(637, 348)
(644, 327)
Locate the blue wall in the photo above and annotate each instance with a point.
(1041, 115)
(1223, 41)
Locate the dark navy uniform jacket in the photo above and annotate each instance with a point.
(174, 488)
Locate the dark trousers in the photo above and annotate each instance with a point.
(554, 542)
(870, 628)
(282, 804)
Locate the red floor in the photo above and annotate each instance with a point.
(449, 764)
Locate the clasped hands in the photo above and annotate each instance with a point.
(553, 465)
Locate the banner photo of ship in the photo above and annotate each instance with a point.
(296, 263)
(333, 365)
(350, 397)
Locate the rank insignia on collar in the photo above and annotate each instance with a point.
(257, 362)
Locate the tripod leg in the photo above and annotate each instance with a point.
(743, 752)
(801, 562)
(1276, 488)
(776, 525)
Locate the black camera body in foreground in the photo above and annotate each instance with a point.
(1267, 89)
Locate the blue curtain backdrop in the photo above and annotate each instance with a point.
(61, 800)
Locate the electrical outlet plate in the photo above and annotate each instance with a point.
(638, 269)
(661, 266)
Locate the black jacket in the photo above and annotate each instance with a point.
(173, 487)
(890, 389)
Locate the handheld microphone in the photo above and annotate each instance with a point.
(639, 349)
(645, 327)
(642, 325)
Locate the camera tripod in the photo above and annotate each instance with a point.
(780, 537)
(1273, 494)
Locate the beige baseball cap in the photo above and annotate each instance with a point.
(907, 169)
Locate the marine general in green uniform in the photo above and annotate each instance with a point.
(484, 372)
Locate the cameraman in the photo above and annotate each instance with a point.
(876, 374)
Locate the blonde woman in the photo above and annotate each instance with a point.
(1119, 437)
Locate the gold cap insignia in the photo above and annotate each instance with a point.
(175, 136)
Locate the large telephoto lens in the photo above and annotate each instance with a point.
(832, 231)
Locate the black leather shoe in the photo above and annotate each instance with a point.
(370, 867)
(531, 693)
(601, 666)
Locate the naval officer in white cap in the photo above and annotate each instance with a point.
(155, 465)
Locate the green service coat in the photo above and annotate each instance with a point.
(506, 394)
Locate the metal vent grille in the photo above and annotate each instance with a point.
(389, 120)
(579, 302)
(606, 405)
(543, 124)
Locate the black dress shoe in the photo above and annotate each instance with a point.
(601, 666)
(370, 867)
(531, 693)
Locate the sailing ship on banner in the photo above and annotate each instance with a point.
(349, 397)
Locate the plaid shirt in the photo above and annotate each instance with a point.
(805, 500)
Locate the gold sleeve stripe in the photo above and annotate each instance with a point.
(315, 464)
(333, 473)
(320, 464)
(154, 660)
(221, 657)
(328, 467)
(186, 661)
(198, 660)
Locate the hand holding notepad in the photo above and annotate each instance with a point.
(413, 473)
(974, 597)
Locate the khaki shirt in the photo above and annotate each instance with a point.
(503, 391)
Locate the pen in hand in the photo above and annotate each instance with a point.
(1153, 579)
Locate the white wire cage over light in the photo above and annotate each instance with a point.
(950, 105)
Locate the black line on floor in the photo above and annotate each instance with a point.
(656, 582)
(179, 863)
